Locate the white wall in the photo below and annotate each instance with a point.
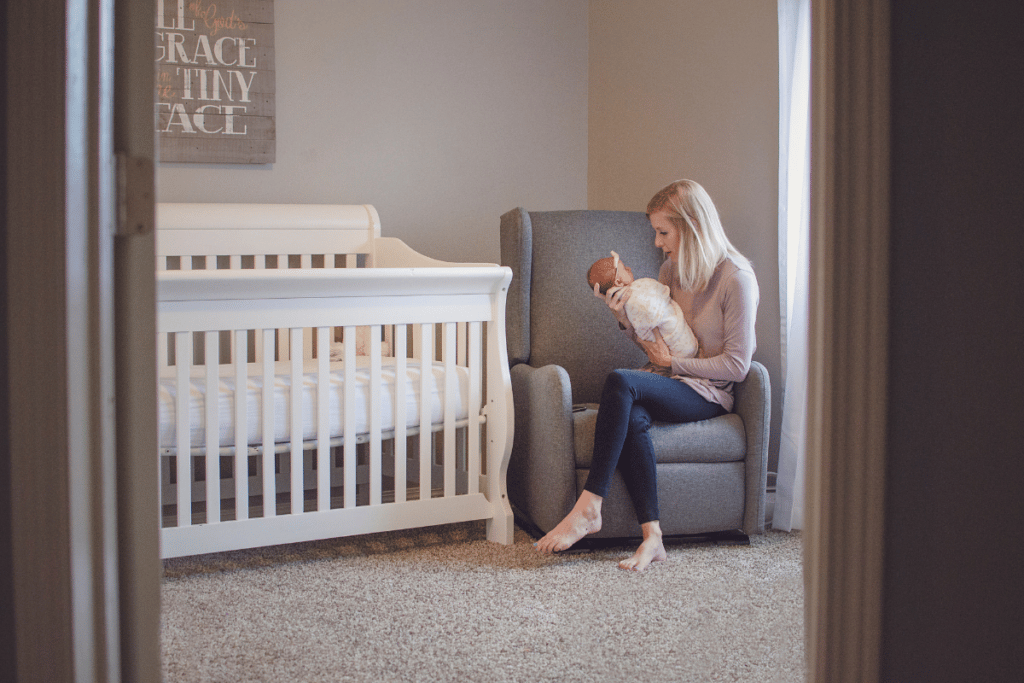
(444, 114)
(689, 89)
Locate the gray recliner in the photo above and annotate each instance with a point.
(562, 343)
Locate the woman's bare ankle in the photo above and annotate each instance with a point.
(652, 549)
(583, 519)
(651, 530)
(589, 505)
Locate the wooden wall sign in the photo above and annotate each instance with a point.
(215, 81)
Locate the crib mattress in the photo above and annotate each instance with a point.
(408, 388)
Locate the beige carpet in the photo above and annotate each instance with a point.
(443, 604)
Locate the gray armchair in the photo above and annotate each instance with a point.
(562, 343)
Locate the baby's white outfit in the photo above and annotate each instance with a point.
(650, 306)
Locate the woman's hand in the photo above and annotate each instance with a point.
(657, 350)
(616, 300)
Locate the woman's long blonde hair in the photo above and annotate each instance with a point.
(702, 241)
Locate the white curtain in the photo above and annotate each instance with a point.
(794, 228)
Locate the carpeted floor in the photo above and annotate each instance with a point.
(443, 604)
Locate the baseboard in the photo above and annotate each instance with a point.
(735, 537)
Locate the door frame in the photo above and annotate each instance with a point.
(848, 349)
(82, 575)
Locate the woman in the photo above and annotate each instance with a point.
(715, 287)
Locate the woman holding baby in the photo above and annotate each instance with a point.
(715, 287)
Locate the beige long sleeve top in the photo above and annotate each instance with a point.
(722, 317)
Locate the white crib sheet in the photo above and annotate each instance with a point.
(282, 387)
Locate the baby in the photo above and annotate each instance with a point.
(648, 307)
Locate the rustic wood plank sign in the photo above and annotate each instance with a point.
(215, 81)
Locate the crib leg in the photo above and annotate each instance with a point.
(500, 528)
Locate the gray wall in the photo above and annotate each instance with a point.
(689, 89)
(442, 114)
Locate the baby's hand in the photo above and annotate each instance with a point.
(616, 300)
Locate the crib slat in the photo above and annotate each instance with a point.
(306, 262)
(323, 437)
(238, 358)
(426, 345)
(183, 440)
(461, 359)
(259, 262)
(376, 473)
(269, 481)
(450, 392)
(349, 451)
(475, 361)
(399, 346)
(295, 404)
(283, 351)
(211, 403)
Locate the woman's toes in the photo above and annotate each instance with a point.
(644, 556)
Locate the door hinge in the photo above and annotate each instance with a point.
(135, 196)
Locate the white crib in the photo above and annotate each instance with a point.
(270, 297)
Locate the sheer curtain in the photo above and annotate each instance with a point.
(794, 229)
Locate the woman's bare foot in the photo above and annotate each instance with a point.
(583, 519)
(651, 550)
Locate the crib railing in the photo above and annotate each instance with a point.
(281, 340)
(322, 473)
(206, 236)
(422, 469)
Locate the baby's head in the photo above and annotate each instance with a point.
(609, 272)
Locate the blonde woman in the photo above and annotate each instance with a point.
(717, 291)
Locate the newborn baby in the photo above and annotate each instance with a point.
(648, 307)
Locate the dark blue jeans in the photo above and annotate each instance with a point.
(630, 402)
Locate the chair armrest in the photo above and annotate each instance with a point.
(516, 232)
(753, 403)
(541, 471)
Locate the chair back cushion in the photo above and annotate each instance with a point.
(552, 317)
